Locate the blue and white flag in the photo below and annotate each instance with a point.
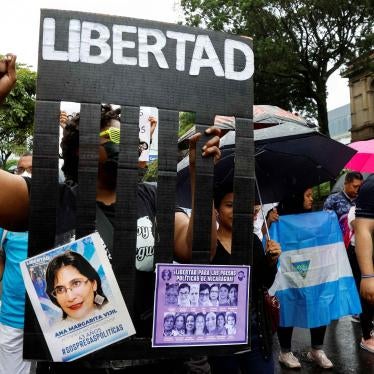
(314, 282)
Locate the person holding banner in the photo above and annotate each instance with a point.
(300, 203)
(14, 206)
(259, 359)
(13, 250)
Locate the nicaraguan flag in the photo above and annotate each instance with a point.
(314, 282)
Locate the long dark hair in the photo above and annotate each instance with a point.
(293, 204)
(81, 264)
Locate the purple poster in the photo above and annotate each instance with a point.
(200, 305)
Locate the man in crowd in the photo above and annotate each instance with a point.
(364, 231)
(12, 310)
(342, 201)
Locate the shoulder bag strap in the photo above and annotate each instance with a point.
(105, 228)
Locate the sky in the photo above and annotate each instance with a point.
(20, 28)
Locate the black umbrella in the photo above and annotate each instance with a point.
(288, 158)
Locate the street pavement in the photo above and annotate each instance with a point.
(341, 347)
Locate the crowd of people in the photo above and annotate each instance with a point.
(68, 276)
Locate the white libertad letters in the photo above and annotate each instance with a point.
(85, 35)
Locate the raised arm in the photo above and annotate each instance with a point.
(183, 224)
(14, 202)
(7, 75)
(364, 232)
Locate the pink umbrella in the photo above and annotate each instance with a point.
(363, 160)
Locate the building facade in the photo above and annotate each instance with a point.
(361, 85)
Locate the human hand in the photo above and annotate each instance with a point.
(272, 216)
(367, 289)
(273, 251)
(153, 122)
(63, 119)
(8, 75)
(210, 148)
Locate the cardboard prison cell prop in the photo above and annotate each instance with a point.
(93, 59)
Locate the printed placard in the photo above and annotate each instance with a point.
(200, 305)
(76, 298)
(148, 132)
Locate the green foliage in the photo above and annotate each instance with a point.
(152, 172)
(186, 121)
(17, 115)
(298, 44)
(11, 165)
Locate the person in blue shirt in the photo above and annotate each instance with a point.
(342, 201)
(12, 308)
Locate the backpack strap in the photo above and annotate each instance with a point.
(2, 254)
(105, 228)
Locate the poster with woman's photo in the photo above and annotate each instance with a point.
(200, 305)
(76, 298)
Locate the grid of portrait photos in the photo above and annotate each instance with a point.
(200, 305)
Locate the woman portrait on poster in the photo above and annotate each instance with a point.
(190, 324)
(233, 295)
(223, 298)
(168, 324)
(204, 292)
(194, 294)
(171, 294)
(231, 323)
(213, 294)
(179, 325)
(166, 275)
(200, 324)
(211, 323)
(221, 322)
(74, 286)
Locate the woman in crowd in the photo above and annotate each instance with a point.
(74, 286)
(295, 204)
(259, 359)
